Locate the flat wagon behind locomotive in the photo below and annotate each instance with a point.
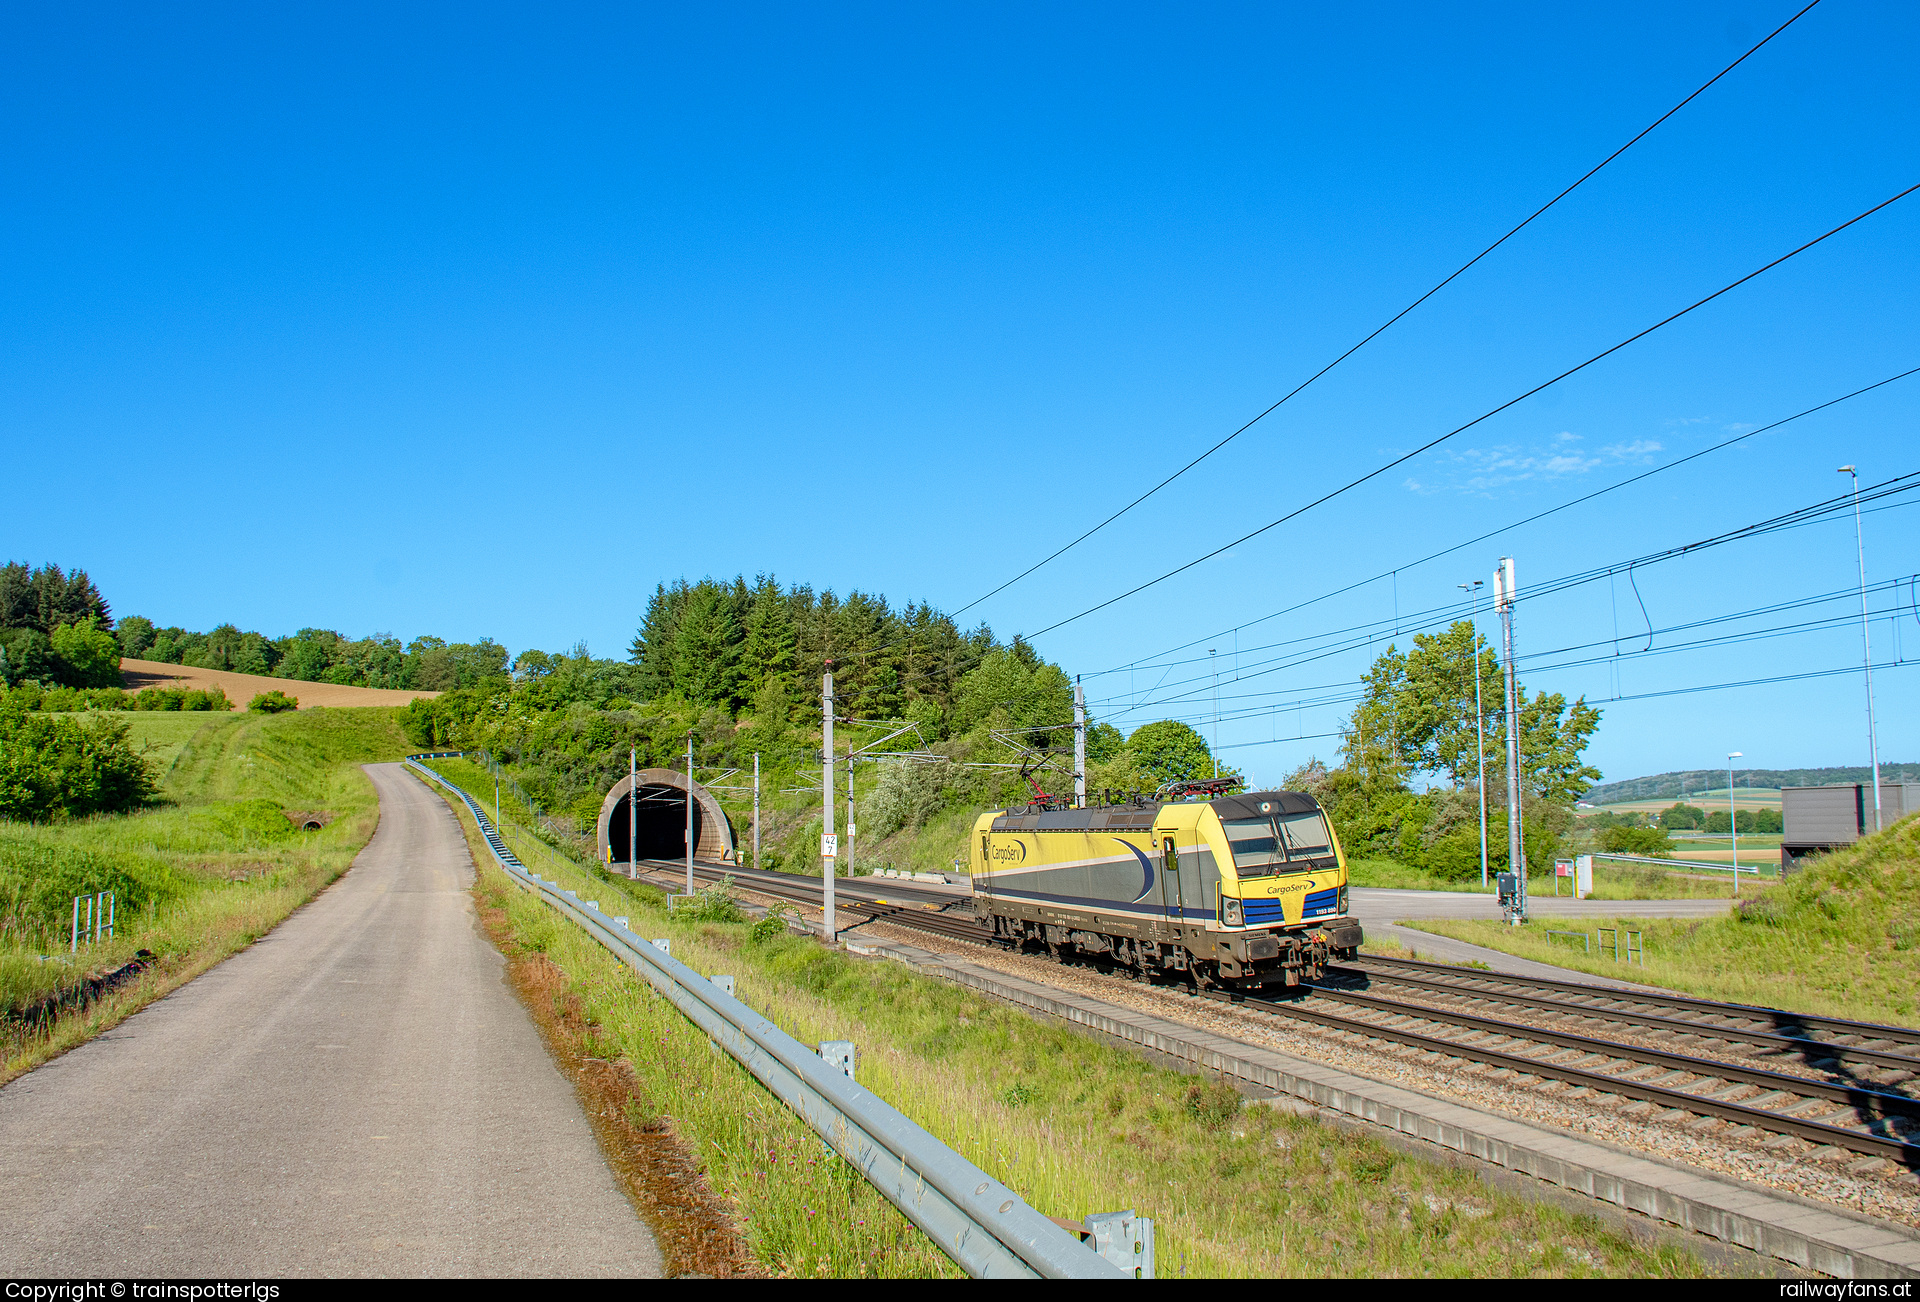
(1230, 890)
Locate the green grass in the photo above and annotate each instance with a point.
(1618, 882)
(214, 866)
(1839, 938)
(1075, 1125)
(160, 735)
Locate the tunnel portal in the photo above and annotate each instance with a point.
(659, 824)
(660, 820)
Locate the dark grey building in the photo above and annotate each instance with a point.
(1816, 819)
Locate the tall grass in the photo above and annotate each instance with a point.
(1075, 1125)
(197, 878)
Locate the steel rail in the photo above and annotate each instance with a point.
(1813, 1131)
(803, 891)
(1864, 1142)
(1738, 1034)
(1755, 1012)
(986, 1228)
(1855, 1096)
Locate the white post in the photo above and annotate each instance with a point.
(73, 946)
(826, 796)
(633, 811)
(689, 813)
(1733, 820)
(1866, 647)
(1503, 589)
(850, 822)
(1079, 744)
(756, 809)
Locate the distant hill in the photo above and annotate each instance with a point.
(1661, 786)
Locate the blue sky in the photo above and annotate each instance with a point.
(482, 321)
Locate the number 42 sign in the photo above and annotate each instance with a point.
(829, 845)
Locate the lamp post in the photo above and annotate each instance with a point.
(1479, 727)
(1866, 645)
(1733, 820)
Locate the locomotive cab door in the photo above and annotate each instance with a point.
(1172, 900)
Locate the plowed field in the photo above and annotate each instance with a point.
(241, 688)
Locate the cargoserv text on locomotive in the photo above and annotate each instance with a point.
(1242, 890)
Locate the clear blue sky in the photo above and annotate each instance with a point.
(481, 321)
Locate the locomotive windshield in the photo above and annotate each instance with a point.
(1276, 844)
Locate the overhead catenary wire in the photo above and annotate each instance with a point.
(1362, 635)
(1428, 446)
(1154, 660)
(1391, 321)
(1816, 513)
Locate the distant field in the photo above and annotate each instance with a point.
(1744, 798)
(241, 688)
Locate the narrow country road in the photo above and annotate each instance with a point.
(359, 1093)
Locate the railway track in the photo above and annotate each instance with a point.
(906, 906)
(1845, 1084)
(1854, 1116)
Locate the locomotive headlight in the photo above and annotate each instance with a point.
(1233, 915)
(1343, 897)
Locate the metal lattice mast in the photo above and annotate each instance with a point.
(1503, 587)
(1079, 744)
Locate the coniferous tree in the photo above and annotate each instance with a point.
(652, 648)
(706, 648)
(768, 656)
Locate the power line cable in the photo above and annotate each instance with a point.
(1436, 442)
(1814, 513)
(1391, 321)
(1153, 660)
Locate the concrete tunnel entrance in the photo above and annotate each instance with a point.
(658, 805)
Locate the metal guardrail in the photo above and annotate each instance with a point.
(1749, 869)
(986, 1228)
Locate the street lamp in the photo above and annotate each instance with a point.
(1733, 821)
(1866, 645)
(1479, 728)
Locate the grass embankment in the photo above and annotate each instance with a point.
(1076, 1126)
(215, 865)
(1839, 938)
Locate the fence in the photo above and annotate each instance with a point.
(979, 1222)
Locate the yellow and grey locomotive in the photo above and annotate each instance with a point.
(1233, 890)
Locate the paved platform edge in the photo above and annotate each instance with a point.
(1846, 1247)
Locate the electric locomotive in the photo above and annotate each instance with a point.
(1237, 891)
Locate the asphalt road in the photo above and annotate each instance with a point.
(358, 1093)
